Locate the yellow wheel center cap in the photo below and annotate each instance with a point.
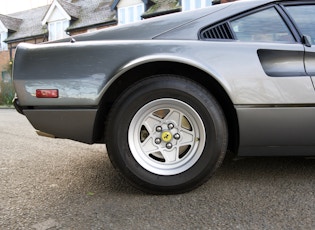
(167, 136)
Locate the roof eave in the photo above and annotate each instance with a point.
(8, 40)
(115, 3)
(155, 14)
(107, 23)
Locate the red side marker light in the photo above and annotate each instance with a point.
(47, 93)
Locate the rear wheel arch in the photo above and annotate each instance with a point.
(165, 67)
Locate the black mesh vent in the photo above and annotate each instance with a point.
(222, 31)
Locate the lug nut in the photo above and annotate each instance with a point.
(170, 126)
(158, 129)
(176, 136)
(169, 145)
(158, 141)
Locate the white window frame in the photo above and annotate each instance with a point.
(57, 29)
(3, 45)
(130, 14)
(195, 4)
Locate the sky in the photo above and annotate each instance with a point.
(12, 6)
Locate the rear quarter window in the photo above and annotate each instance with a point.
(263, 26)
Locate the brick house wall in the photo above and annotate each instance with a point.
(4, 60)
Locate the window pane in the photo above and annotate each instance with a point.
(130, 14)
(197, 4)
(186, 5)
(52, 31)
(208, 3)
(304, 16)
(122, 16)
(263, 26)
(140, 11)
(57, 30)
(65, 27)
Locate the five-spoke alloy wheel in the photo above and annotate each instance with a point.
(166, 136)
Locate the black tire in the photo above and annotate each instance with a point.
(142, 140)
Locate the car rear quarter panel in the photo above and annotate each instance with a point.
(83, 71)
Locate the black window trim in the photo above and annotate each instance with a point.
(278, 6)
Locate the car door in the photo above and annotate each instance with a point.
(303, 17)
(284, 124)
(281, 55)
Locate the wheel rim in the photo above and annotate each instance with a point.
(166, 136)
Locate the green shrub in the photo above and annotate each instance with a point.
(6, 93)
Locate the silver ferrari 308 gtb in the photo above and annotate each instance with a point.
(170, 96)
